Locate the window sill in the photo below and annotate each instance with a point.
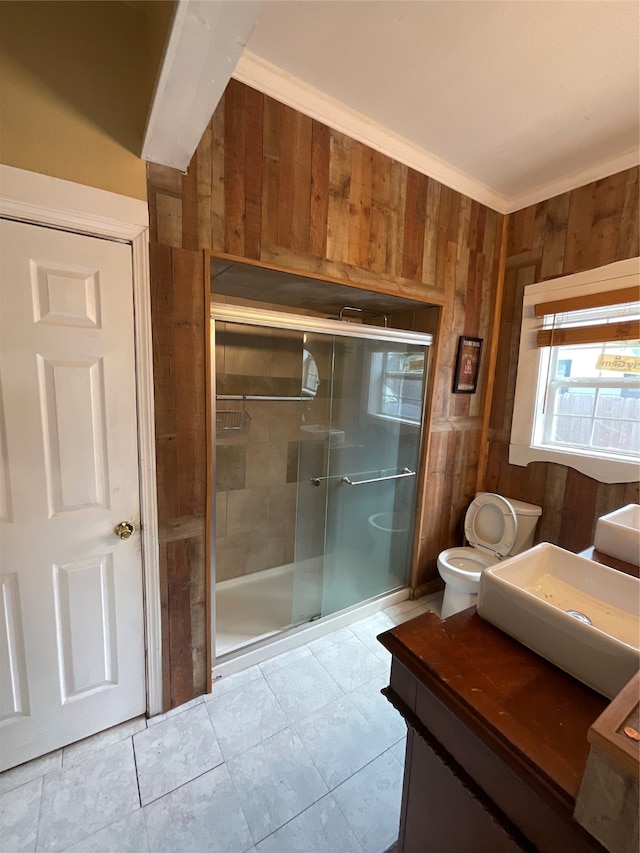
(604, 470)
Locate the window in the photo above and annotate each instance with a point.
(395, 385)
(578, 384)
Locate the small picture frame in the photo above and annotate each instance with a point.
(465, 377)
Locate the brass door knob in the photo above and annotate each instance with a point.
(123, 530)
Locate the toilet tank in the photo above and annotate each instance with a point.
(527, 516)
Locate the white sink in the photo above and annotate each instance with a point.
(528, 597)
(618, 534)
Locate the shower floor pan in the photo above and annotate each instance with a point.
(261, 605)
(256, 606)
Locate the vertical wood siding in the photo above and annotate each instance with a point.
(270, 184)
(589, 227)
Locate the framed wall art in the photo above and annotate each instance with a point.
(465, 376)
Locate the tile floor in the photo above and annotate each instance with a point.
(299, 753)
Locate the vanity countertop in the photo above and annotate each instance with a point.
(613, 562)
(531, 714)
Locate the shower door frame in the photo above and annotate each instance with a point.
(266, 318)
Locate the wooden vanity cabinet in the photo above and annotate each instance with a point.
(496, 744)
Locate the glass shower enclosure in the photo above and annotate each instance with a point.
(325, 418)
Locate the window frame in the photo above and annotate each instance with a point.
(523, 448)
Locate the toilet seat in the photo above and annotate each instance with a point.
(490, 524)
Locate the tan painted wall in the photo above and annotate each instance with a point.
(76, 80)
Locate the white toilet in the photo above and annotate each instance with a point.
(495, 528)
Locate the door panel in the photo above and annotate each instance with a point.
(356, 489)
(71, 628)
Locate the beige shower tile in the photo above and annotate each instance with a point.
(265, 550)
(290, 550)
(273, 412)
(266, 464)
(286, 425)
(221, 514)
(230, 556)
(282, 507)
(259, 428)
(293, 452)
(219, 354)
(286, 359)
(230, 466)
(248, 353)
(247, 509)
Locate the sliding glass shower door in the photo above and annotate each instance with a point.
(318, 427)
(359, 452)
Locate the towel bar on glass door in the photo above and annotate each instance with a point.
(263, 398)
(406, 472)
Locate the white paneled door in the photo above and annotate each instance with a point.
(71, 620)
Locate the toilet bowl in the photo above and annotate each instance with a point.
(495, 527)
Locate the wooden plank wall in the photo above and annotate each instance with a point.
(179, 345)
(592, 226)
(270, 184)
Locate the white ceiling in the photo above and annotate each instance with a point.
(509, 101)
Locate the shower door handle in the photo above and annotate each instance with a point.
(406, 472)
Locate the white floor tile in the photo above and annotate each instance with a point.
(232, 682)
(381, 715)
(244, 717)
(160, 718)
(290, 728)
(275, 781)
(202, 815)
(399, 613)
(174, 752)
(127, 835)
(351, 664)
(19, 809)
(339, 740)
(398, 750)
(406, 610)
(85, 797)
(285, 659)
(322, 828)
(370, 801)
(367, 631)
(303, 687)
(332, 639)
(35, 769)
(86, 748)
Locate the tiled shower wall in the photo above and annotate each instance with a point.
(256, 474)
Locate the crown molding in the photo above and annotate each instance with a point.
(284, 87)
(572, 181)
(273, 81)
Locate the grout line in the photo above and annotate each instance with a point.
(35, 847)
(135, 764)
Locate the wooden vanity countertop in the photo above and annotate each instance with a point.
(612, 562)
(532, 714)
